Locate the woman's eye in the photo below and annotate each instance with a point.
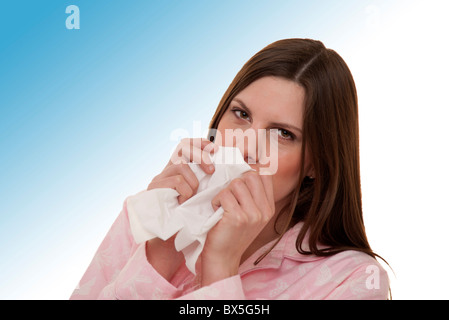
(284, 134)
(241, 114)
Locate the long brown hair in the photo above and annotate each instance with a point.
(330, 205)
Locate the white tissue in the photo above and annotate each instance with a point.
(156, 213)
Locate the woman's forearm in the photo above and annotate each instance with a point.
(163, 256)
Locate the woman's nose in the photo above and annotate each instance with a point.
(252, 145)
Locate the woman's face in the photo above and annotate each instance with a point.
(269, 103)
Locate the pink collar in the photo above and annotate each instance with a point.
(286, 248)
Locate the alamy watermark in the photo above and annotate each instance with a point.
(73, 20)
(258, 147)
(373, 280)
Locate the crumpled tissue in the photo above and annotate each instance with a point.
(156, 213)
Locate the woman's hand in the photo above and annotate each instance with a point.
(177, 173)
(248, 204)
(179, 176)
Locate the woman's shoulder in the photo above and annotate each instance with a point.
(355, 261)
(359, 272)
(353, 256)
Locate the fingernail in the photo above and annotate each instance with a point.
(211, 167)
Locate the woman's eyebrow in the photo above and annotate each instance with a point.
(285, 126)
(272, 124)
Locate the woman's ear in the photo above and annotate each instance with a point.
(311, 173)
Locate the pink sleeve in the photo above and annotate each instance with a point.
(138, 280)
(120, 270)
(110, 258)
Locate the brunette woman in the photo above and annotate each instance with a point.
(296, 234)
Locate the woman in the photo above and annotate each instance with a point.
(296, 234)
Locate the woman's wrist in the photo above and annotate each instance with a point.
(163, 257)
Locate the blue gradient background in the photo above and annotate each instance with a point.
(86, 116)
